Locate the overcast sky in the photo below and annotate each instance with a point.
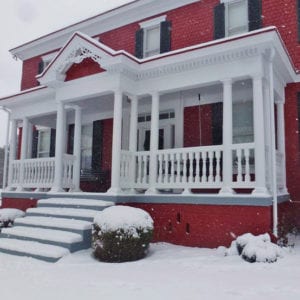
(24, 20)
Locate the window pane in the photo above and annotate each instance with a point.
(153, 39)
(86, 146)
(237, 17)
(44, 143)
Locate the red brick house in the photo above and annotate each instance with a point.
(188, 109)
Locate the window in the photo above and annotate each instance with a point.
(153, 37)
(236, 17)
(86, 146)
(45, 61)
(44, 139)
(152, 41)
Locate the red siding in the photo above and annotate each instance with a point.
(85, 68)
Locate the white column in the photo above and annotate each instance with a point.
(133, 136)
(133, 124)
(227, 137)
(4, 182)
(77, 150)
(259, 136)
(116, 144)
(24, 151)
(12, 151)
(59, 148)
(153, 143)
(281, 142)
(29, 137)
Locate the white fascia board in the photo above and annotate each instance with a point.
(26, 96)
(127, 14)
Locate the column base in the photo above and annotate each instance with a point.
(187, 192)
(56, 190)
(114, 191)
(261, 191)
(75, 190)
(226, 191)
(152, 191)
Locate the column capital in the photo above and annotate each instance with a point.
(257, 76)
(227, 80)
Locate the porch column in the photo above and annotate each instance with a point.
(281, 143)
(259, 136)
(12, 151)
(133, 135)
(153, 143)
(24, 151)
(77, 150)
(116, 143)
(59, 148)
(227, 137)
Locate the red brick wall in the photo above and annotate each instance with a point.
(20, 203)
(191, 24)
(192, 128)
(206, 225)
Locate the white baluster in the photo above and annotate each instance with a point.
(218, 157)
(211, 168)
(197, 158)
(247, 166)
(239, 165)
(204, 169)
(178, 160)
(184, 179)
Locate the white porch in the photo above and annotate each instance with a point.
(242, 71)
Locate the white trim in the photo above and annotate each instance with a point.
(153, 22)
(49, 57)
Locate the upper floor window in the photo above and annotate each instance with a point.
(237, 16)
(45, 61)
(153, 37)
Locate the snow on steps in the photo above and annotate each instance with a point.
(56, 222)
(63, 212)
(75, 203)
(72, 241)
(37, 250)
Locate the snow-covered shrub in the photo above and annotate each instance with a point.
(8, 216)
(255, 248)
(121, 233)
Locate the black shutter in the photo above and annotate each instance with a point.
(298, 18)
(217, 123)
(219, 21)
(35, 139)
(40, 67)
(165, 36)
(52, 142)
(139, 43)
(71, 139)
(254, 14)
(97, 145)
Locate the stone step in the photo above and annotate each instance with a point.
(71, 241)
(75, 203)
(33, 249)
(63, 212)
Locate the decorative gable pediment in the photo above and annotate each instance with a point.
(78, 48)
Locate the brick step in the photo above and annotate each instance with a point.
(33, 249)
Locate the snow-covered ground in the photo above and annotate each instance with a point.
(169, 272)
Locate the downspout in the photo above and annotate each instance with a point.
(273, 145)
(6, 147)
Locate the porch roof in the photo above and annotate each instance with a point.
(211, 53)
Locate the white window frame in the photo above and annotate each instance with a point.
(147, 26)
(47, 59)
(245, 27)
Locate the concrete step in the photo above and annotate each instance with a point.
(63, 212)
(33, 249)
(72, 241)
(77, 226)
(93, 204)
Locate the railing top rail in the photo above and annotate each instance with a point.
(243, 146)
(35, 160)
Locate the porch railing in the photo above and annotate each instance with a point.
(39, 173)
(192, 168)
